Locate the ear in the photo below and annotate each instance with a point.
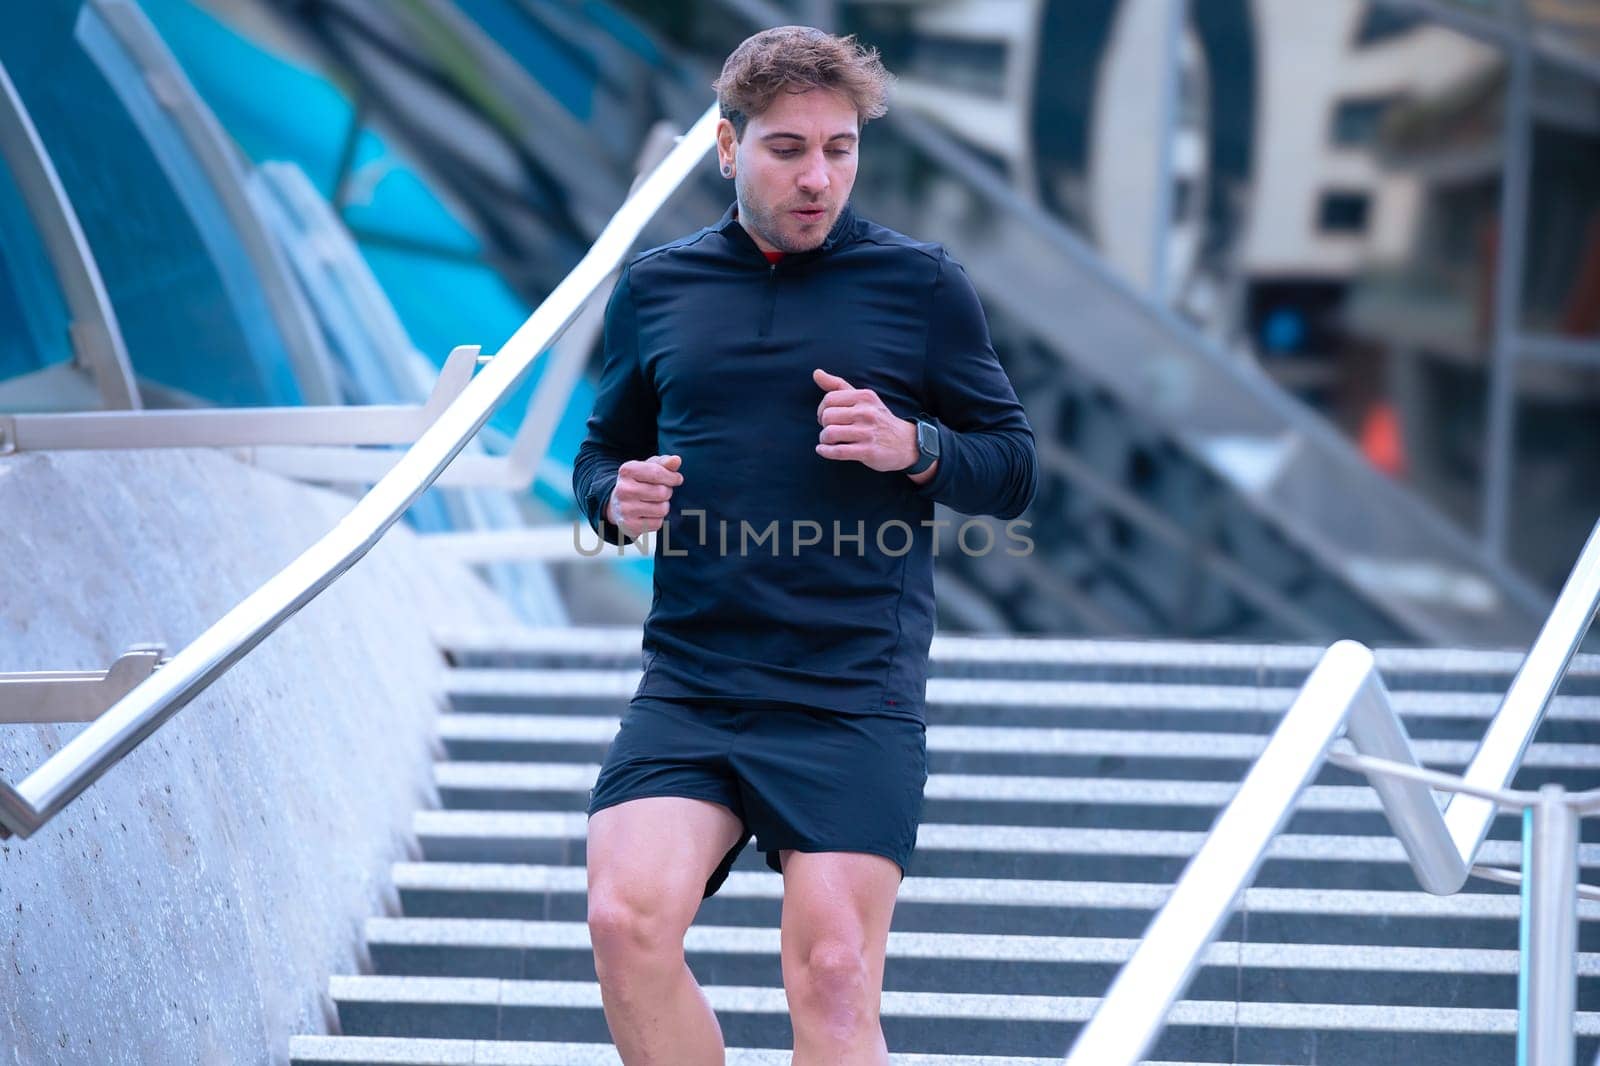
(727, 143)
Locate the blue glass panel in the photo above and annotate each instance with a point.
(440, 303)
(192, 311)
(384, 195)
(443, 304)
(252, 92)
(624, 30)
(271, 107)
(564, 74)
(33, 310)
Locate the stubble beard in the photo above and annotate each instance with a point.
(770, 225)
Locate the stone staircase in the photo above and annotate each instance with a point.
(1070, 781)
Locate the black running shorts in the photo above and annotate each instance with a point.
(796, 776)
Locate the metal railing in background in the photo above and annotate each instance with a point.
(96, 338)
(220, 427)
(517, 468)
(331, 444)
(1345, 695)
(514, 471)
(101, 745)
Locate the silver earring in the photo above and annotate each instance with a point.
(727, 171)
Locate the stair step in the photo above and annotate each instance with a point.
(950, 701)
(985, 749)
(392, 1051)
(558, 778)
(963, 1023)
(1191, 662)
(978, 905)
(507, 935)
(1146, 855)
(935, 962)
(1011, 799)
(1070, 783)
(1002, 892)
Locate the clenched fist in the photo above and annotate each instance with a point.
(643, 491)
(856, 425)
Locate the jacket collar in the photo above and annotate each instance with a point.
(842, 232)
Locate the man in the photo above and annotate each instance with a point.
(784, 396)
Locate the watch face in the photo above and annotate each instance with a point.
(928, 438)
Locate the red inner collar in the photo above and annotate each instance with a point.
(773, 257)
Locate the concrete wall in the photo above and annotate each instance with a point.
(189, 908)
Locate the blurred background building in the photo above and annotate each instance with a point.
(1303, 299)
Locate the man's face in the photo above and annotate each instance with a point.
(794, 168)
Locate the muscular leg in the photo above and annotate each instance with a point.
(648, 863)
(836, 911)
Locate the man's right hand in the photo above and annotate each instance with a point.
(639, 502)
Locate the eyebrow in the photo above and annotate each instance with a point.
(800, 137)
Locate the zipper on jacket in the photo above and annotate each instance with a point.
(772, 296)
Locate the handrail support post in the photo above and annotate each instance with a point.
(62, 696)
(1550, 950)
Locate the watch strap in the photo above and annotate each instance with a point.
(925, 458)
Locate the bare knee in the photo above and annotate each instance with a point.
(633, 935)
(833, 988)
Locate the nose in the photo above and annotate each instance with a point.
(813, 179)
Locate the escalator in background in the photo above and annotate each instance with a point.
(1190, 493)
(1149, 406)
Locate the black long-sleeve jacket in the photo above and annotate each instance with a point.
(781, 574)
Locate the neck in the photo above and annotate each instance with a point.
(755, 234)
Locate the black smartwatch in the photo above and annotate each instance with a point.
(927, 444)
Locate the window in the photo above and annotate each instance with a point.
(1356, 121)
(1344, 212)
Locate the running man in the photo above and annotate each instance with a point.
(784, 396)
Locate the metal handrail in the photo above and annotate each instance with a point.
(1344, 695)
(82, 761)
(515, 471)
(1550, 887)
(519, 466)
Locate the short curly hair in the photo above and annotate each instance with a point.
(795, 58)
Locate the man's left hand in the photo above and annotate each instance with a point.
(856, 425)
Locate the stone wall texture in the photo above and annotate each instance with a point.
(188, 909)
